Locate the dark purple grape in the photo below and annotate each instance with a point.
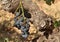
(21, 19)
(17, 14)
(17, 22)
(23, 25)
(27, 25)
(18, 26)
(15, 19)
(23, 29)
(24, 35)
(20, 23)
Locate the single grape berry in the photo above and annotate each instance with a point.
(24, 35)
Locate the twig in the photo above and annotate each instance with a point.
(20, 6)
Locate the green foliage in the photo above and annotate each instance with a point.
(56, 23)
(49, 1)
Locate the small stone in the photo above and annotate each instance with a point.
(31, 37)
(42, 23)
(17, 30)
(9, 5)
(6, 19)
(32, 29)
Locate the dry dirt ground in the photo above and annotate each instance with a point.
(13, 35)
(52, 10)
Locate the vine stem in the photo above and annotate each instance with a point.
(20, 6)
(17, 8)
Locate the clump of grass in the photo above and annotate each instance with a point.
(49, 2)
(56, 23)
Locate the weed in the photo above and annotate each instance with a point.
(56, 23)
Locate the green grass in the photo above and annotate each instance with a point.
(56, 23)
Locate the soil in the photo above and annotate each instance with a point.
(9, 5)
(52, 10)
(40, 13)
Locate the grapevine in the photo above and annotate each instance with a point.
(22, 23)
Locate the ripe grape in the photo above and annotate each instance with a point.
(24, 29)
(24, 35)
(23, 25)
(17, 14)
(27, 25)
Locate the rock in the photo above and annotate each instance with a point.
(6, 19)
(31, 37)
(18, 31)
(41, 39)
(9, 5)
(32, 29)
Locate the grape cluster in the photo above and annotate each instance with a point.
(22, 24)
